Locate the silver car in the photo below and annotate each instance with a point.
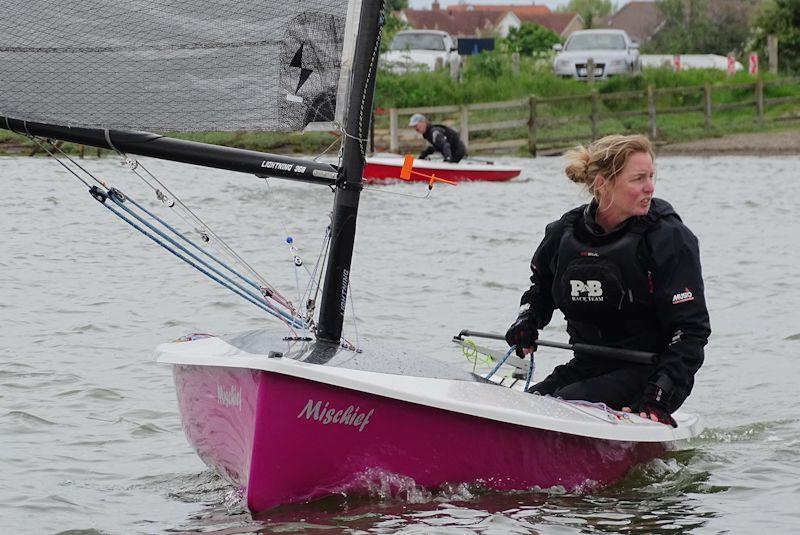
(419, 50)
(613, 53)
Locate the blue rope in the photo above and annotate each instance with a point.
(531, 368)
(502, 361)
(259, 297)
(246, 295)
(193, 244)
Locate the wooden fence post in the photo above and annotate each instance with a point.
(532, 126)
(651, 111)
(772, 51)
(707, 98)
(590, 71)
(760, 100)
(455, 69)
(394, 142)
(464, 126)
(593, 116)
(515, 63)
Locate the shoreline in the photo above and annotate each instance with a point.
(784, 142)
(774, 143)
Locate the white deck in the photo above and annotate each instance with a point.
(473, 398)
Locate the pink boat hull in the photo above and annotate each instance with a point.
(382, 171)
(284, 439)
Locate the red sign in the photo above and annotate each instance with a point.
(731, 64)
(676, 63)
(753, 63)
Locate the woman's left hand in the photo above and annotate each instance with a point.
(654, 414)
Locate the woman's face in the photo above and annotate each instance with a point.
(630, 193)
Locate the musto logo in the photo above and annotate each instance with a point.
(586, 291)
(682, 297)
(325, 414)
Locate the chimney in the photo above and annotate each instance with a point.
(435, 6)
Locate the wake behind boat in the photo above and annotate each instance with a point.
(387, 167)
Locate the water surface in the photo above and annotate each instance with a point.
(89, 429)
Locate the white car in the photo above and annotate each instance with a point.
(419, 50)
(613, 53)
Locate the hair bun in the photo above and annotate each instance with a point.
(578, 165)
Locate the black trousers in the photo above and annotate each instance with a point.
(599, 382)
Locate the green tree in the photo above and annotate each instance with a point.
(702, 27)
(589, 10)
(393, 24)
(780, 18)
(393, 6)
(529, 39)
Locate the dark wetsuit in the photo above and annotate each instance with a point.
(639, 286)
(445, 140)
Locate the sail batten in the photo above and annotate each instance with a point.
(175, 65)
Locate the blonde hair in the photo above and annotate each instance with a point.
(607, 157)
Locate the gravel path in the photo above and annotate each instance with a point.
(766, 143)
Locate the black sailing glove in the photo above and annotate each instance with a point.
(523, 333)
(422, 156)
(654, 401)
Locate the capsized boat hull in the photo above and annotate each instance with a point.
(387, 167)
(286, 431)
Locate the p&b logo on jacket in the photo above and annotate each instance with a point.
(588, 291)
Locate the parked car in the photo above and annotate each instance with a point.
(420, 50)
(613, 52)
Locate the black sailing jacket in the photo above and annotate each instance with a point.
(445, 140)
(662, 308)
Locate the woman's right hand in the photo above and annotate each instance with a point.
(523, 334)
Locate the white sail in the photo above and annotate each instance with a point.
(176, 65)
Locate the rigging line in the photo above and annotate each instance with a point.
(370, 73)
(318, 156)
(276, 313)
(272, 307)
(327, 247)
(247, 297)
(313, 274)
(308, 302)
(390, 192)
(193, 244)
(65, 166)
(197, 221)
(279, 299)
(353, 312)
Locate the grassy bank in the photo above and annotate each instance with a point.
(492, 78)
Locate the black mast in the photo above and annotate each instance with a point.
(349, 179)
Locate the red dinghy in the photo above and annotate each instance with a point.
(385, 167)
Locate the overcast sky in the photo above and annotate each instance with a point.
(552, 4)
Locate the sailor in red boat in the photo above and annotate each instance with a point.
(442, 139)
(625, 272)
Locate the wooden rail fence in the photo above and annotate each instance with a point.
(526, 121)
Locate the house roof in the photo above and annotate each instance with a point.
(639, 18)
(455, 22)
(557, 22)
(519, 10)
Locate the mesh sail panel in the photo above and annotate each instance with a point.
(176, 65)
